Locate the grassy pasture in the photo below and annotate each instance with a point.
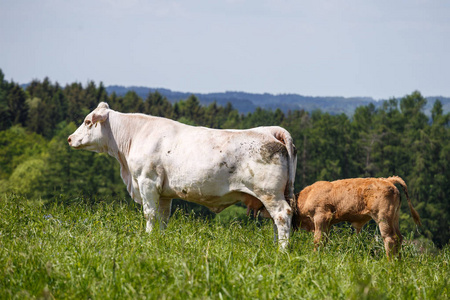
(79, 249)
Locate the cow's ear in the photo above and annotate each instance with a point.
(103, 105)
(100, 115)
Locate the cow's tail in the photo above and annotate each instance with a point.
(285, 137)
(401, 182)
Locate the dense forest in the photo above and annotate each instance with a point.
(248, 102)
(396, 138)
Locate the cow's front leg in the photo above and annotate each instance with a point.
(150, 201)
(150, 212)
(155, 208)
(164, 207)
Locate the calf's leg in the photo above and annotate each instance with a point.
(390, 237)
(398, 235)
(322, 225)
(357, 226)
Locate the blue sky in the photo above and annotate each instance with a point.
(374, 48)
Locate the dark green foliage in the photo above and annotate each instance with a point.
(13, 109)
(17, 146)
(393, 138)
(156, 105)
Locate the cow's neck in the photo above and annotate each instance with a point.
(123, 128)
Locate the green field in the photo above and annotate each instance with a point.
(80, 249)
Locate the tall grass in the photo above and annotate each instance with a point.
(81, 249)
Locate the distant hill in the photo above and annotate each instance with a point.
(248, 102)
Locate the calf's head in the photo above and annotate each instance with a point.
(91, 134)
(306, 223)
(301, 217)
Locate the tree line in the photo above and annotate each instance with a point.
(396, 138)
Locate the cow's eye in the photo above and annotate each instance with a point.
(87, 123)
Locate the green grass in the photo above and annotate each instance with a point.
(80, 249)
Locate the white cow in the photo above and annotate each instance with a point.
(161, 159)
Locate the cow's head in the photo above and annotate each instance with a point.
(89, 135)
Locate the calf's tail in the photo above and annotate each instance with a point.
(401, 182)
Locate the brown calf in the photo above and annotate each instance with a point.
(357, 200)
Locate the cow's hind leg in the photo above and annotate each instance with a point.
(281, 214)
